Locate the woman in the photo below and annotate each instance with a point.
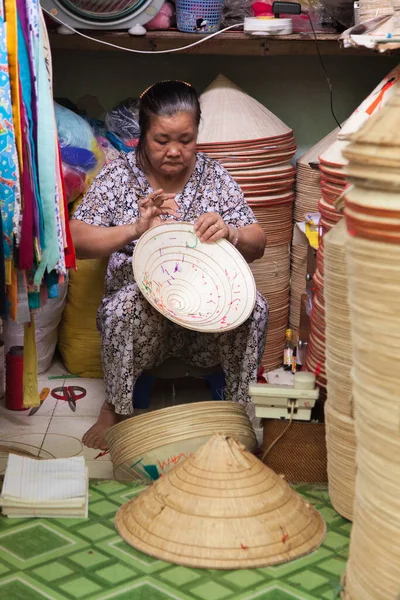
(164, 179)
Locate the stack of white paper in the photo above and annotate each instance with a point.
(45, 488)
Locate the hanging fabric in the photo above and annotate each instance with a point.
(9, 173)
(36, 246)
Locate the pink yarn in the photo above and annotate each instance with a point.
(164, 19)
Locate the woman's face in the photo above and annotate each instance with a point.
(171, 143)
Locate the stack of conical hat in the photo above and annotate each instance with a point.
(333, 166)
(222, 508)
(333, 163)
(256, 148)
(339, 408)
(149, 445)
(308, 185)
(308, 194)
(372, 209)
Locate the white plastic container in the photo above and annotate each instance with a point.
(260, 26)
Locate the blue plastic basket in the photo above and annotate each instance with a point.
(198, 16)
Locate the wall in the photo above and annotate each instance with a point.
(294, 88)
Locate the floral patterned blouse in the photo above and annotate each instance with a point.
(114, 195)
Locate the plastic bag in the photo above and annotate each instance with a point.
(123, 120)
(81, 154)
(72, 129)
(340, 10)
(47, 319)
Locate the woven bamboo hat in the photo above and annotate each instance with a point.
(221, 509)
(231, 115)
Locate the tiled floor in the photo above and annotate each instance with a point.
(54, 431)
(79, 559)
(75, 559)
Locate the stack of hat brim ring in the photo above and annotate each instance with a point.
(372, 211)
(333, 166)
(149, 445)
(339, 409)
(256, 148)
(308, 195)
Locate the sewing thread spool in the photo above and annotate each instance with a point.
(15, 378)
(2, 369)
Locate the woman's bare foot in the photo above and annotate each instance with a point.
(94, 437)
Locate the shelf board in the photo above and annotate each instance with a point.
(234, 43)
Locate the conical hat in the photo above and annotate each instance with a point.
(377, 142)
(230, 115)
(334, 155)
(375, 101)
(222, 508)
(313, 154)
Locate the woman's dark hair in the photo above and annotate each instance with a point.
(165, 99)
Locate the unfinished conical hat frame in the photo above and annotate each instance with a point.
(222, 508)
(312, 155)
(200, 286)
(231, 115)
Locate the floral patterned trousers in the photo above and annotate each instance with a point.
(135, 338)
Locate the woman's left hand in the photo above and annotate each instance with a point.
(210, 227)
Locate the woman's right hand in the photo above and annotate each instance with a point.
(151, 209)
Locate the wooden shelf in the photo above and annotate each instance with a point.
(234, 43)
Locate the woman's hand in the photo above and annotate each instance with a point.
(151, 208)
(210, 227)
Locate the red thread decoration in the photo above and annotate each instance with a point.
(102, 454)
(244, 547)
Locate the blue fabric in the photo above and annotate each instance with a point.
(78, 157)
(26, 87)
(47, 166)
(9, 186)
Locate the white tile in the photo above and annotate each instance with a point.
(22, 432)
(30, 443)
(46, 410)
(3, 463)
(56, 369)
(14, 423)
(64, 438)
(100, 469)
(90, 405)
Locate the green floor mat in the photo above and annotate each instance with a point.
(71, 559)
